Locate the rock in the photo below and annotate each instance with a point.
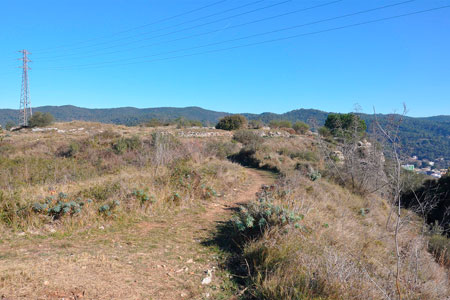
(208, 278)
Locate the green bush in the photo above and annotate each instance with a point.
(108, 209)
(156, 123)
(232, 122)
(344, 124)
(58, 207)
(39, 119)
(305, 155)
(300, 127)
(257, 216)
(182, 123)
(127, 144)
(324, 131)
(143, 196)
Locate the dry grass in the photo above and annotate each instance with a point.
(341, 251)
(142, 250)
(152, 249)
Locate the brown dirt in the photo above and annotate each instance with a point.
(155, 259)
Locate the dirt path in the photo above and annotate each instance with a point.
(162, 259)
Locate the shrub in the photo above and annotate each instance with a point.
(305, 155)
(101, 192)
(125, 144)
(248, 138)
(143, 196)
(69, 151)
(9, 125)
(440, 247)
(156, 123)
(280, 124)
(40, 119)
(182, 122)
(108, 209)
(344, 124)
(232, 122)
(255, 124)
(324, 131)
(221, 149)
(58, 207)
(262, 214)
(300, 127)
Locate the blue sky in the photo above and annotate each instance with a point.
(99, 54)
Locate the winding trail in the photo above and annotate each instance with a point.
(157, 259)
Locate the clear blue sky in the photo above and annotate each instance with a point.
(98, 54)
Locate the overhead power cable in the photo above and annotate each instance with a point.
(137, 27)
(279, 39)
(183, 29)
(102, 53)
(250, 36)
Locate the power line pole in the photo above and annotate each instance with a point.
(25, 111)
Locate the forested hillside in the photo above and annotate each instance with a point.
(425, 137)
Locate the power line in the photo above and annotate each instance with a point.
(253, 35)
(137, 27)
(279, 39)
(183, 29)
(55, 58)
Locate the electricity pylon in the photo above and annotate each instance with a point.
(25, 111)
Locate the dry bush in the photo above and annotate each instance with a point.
(110, 175)
(341, 250)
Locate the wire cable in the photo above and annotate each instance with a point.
(139, 27)
(283, 38)
(188, 28)
(253, 35)
(71, 56)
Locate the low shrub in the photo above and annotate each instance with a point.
(108, 209)
(101, 192)
(439, 246)
(248, 138)
(143, 197)
(127, 144)
(221, 149)
(257, 216)
(57, 207)
(300, 127)
(280, 123)
(255, 124)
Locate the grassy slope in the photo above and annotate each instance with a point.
(342, 248)
(141, 251)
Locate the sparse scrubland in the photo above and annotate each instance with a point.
(323, 230)
(119, 173)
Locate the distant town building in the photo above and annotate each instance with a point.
(408, 167)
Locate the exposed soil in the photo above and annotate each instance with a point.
(152, 259)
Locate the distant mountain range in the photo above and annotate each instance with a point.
(425, 137)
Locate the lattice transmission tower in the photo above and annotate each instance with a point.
(25, 111)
